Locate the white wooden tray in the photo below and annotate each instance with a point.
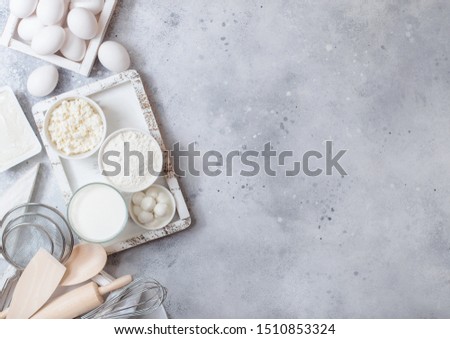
(10, 39)
(126, 104)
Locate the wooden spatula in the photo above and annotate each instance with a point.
(36, 285)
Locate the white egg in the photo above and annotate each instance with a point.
(152, 192)
(95, 6)
(145, 217)
(22, 8)
(114, 56)
(137, 198)
(49, 40)
(29, 27)
(163, 197)
(82, 23)
(161, 209)
(50, 12)
(74, 48)
(137, 210)
(148, 204)
(42, 81)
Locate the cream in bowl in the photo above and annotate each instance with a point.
(75, 127)
(131, 160)
(153, 208)
(97, 213)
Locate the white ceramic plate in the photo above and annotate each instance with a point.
(36, 147)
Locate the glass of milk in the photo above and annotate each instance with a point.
(97, 213)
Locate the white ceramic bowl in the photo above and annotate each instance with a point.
(157, 223)
(151, 179)
(95, 106)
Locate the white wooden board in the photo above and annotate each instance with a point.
(125, 103)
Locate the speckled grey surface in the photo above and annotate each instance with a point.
(372, 76)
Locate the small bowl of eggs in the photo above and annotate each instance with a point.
(153, 208)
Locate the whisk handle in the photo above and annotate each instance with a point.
(115, 285)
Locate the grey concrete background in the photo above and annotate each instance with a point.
(371, 76)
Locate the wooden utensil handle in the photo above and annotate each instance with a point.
(72, 304)
(79, 301)
(115, 285)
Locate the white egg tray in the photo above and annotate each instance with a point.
(11, 40)
(126, 105)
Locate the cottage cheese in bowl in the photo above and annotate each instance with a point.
(75, 127)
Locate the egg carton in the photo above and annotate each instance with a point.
(11, 40)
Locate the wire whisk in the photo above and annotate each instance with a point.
(141, 297)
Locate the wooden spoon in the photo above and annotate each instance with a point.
(85, 262)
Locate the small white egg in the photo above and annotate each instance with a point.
(74, 48)
(137, 198)
(22, 8)
(161, 210)
(95, 6)
(148, 204)
(49, 40)
(152, 192)
(82, 23)
(114, 56)
(42, 81)
(137, 210)
(50, 12)
(163, 198)
(29, 27)
(145, 217)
